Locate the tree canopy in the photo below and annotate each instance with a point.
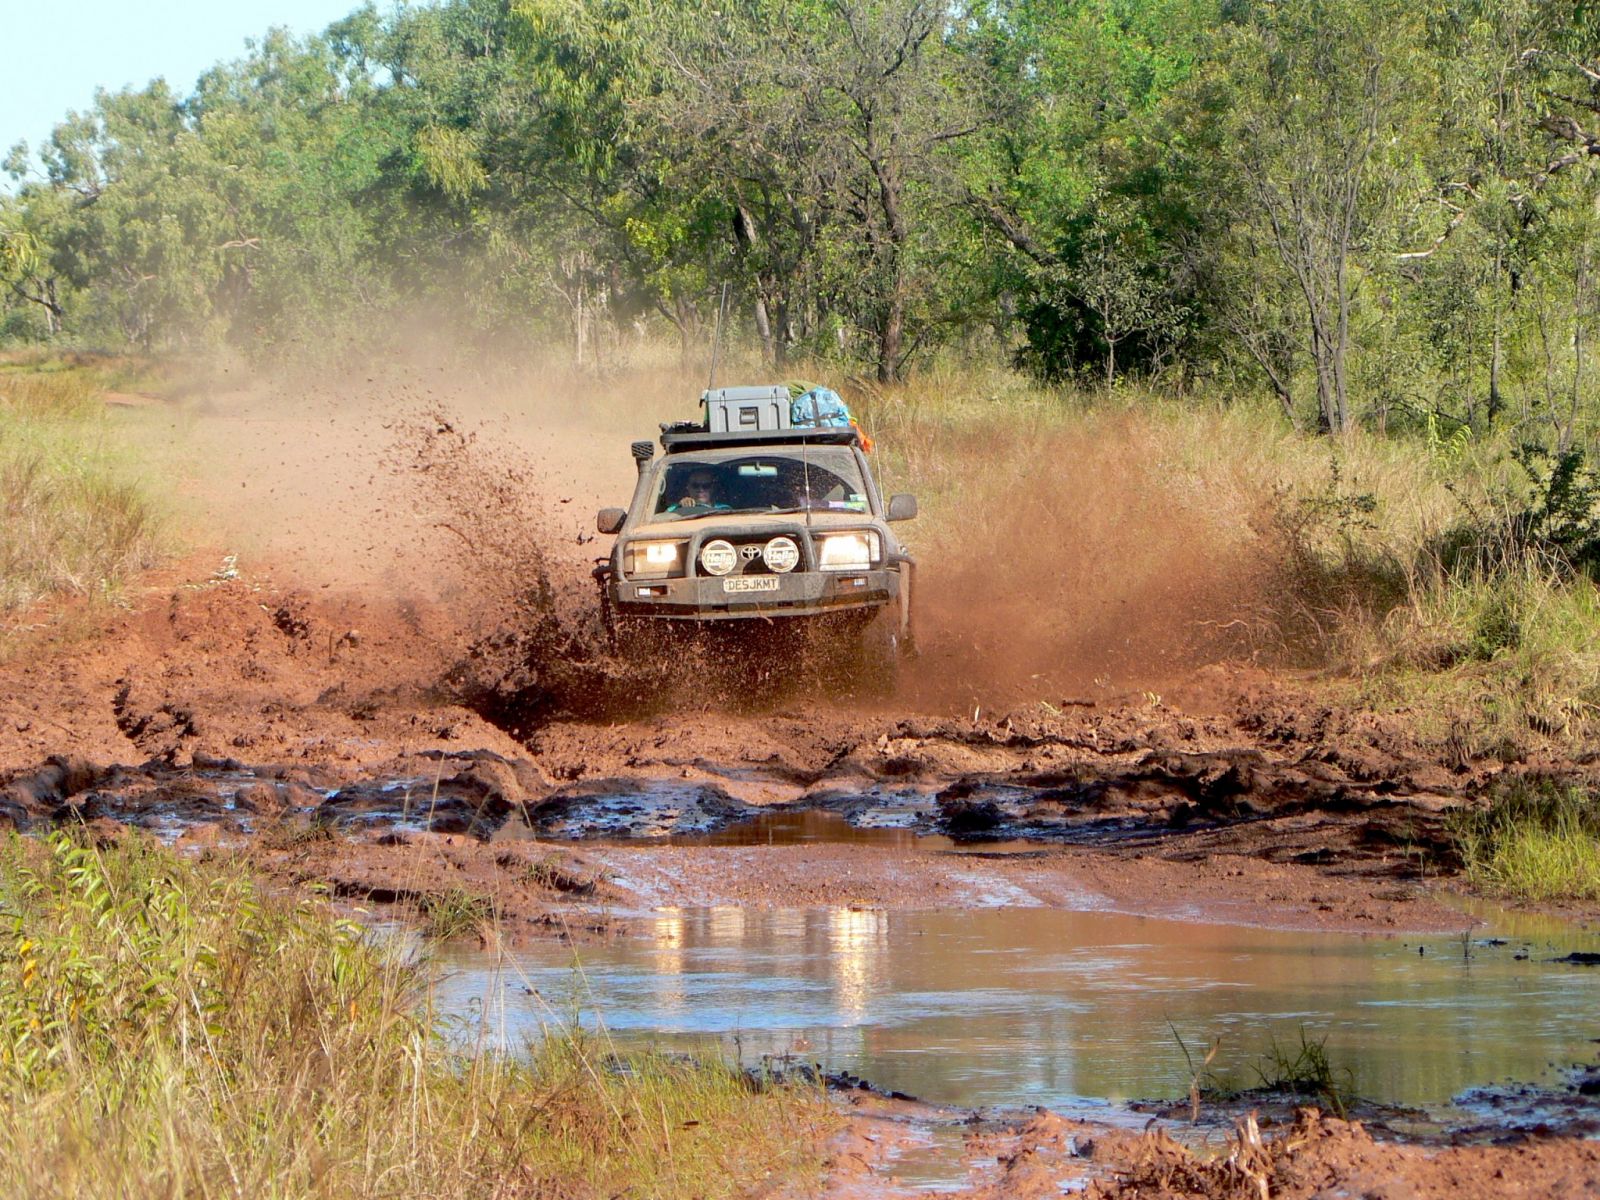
(1376, 211)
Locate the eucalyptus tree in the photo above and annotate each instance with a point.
(24, 268)
(628, 221)
(132, 231)
(1307, 109)
(1082, 186)
(822, 126)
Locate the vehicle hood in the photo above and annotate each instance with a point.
(745, 523)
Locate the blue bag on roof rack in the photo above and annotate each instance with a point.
(820, 408)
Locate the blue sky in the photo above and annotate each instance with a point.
(59, 51)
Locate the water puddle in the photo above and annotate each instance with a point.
(467, 797)
(1074, 1010)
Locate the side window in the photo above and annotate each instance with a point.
(816, 487)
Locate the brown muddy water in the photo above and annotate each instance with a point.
(1074, 1010)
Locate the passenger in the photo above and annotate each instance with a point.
(702, 491)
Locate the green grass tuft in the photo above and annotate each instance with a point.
(456, 912)
(1304, 1069)
(1534, 842)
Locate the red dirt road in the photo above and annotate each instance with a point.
(1264, 809)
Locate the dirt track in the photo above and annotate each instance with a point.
(341, 740)
(226, 705)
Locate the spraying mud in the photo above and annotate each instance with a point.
(1078, 564)
(1056, 563)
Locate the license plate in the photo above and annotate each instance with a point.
(755, 583)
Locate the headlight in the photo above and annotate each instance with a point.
(781, 554)
(718, 557)
(653, 560)
(848, 551)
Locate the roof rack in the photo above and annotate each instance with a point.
(677, 443)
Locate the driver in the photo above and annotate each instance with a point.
(702, 490)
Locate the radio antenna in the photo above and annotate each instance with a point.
(716, 337)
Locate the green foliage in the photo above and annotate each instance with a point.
(1549, 515)
(111, 957)
(1304, 1069)
(455, 913)
(1335, 564)
(1379, 213)
(1535, 841)
(1563, 519)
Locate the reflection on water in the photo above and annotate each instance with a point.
(1049, 1007)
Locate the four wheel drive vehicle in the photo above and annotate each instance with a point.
(751, 516)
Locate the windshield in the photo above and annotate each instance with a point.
(826, 478)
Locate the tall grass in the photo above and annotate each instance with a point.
(168, 1029)
(1533, 842)
(73, 518)
(1398, 566)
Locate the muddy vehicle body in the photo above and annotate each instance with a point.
(747, 518)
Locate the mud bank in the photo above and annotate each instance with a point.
(349, 742)
(890, 1148)
(229, 711)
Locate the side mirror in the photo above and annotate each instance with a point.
(610, 519)
(902, 507)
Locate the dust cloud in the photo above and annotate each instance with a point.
(1065, 565)
(1081, 565)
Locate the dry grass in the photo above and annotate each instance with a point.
(75, 519)
(1147, 516)
(168, 1029)
(1135, 534)
(1138, 534)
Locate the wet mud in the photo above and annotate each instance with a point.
(898, 1148)
(220, 708)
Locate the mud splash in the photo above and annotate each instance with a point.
(1085, 592)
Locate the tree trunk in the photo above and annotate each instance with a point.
(1496, 402)
(687, 318)
(890, 248)
(764, 332)
(580, 325)
(782, 335)
(891, 336)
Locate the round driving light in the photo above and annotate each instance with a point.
(781, 555)
(718, 557)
